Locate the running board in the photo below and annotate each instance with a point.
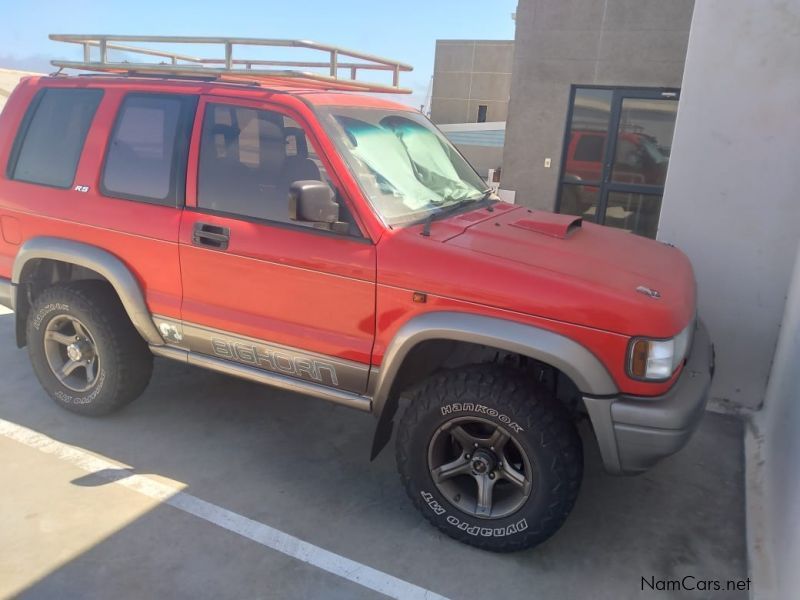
(290, 384)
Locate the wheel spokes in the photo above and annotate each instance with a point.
(485, 489)
(68, 367)
(59, 338)
(509, 473)
(79, 329)
(90, 370)
(459, 466)
(466, 440)
(498, 440)
(475, 449)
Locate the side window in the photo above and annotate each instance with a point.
(248, 160)
(590, 148)
(51, 137)
(147, 153)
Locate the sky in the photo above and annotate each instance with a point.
(406, 31)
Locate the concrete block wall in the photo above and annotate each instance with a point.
(559, 43)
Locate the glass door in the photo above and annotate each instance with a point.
(616, 155)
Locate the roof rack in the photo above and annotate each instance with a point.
(240, 70)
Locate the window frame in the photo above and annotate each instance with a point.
(605, 185)
(24, 127)
(180, 168)
(311, 140)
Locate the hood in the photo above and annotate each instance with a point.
(559, 267)
(565, 245)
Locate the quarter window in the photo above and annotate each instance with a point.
(147, 155)
(51, 137)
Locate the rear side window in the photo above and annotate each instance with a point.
(147, 153)
(51, 137)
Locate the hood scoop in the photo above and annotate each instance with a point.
(552, 224)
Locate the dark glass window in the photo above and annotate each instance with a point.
(147, 154)
(589, 148)
(248, 160)
(51, 137)
(482, 108)
(635, 126)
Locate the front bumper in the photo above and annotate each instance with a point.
(634, 433)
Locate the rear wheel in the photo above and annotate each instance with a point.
(84, 349)
(489, 457)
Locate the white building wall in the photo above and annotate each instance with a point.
(775, 524)
(732, 197)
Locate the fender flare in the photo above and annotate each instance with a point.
(100, 261)
(574, 360)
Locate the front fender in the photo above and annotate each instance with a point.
(566, 355)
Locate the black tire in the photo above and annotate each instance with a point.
(538, 429)
(122, 363)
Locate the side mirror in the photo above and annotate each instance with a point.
(313, 201)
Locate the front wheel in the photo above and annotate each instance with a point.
(489, 457)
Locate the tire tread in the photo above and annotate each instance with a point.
(130, 356)
(510, 391)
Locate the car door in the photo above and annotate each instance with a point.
(258, 288)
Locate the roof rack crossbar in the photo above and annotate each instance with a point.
(236, 69)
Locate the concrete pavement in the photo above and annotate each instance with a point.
(301, 466)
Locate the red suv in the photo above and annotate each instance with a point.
(337, 245)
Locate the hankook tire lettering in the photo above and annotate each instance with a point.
(480, 408)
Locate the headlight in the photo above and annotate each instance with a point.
(657, 360)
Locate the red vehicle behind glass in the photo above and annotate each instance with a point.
(276, 226)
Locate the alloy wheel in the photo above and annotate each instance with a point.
(479, 467)
(71, 353)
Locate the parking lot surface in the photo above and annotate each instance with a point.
(262, 463)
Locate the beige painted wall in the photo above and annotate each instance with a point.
(730, 200)
(8, 81)
(470, 73)
(560, 43)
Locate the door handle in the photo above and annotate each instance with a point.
(211, 236)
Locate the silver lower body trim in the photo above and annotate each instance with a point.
(291, 384)
(7, 293)
(312, 367)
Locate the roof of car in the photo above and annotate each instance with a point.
(228, 88)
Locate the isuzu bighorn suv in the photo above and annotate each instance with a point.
(274, 225)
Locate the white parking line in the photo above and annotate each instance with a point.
(253, 530)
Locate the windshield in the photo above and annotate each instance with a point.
(407, 169)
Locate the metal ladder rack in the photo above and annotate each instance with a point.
(240, 70)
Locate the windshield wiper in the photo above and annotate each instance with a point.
(487, 194)
(451, 208)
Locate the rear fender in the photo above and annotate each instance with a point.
(96, 259)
